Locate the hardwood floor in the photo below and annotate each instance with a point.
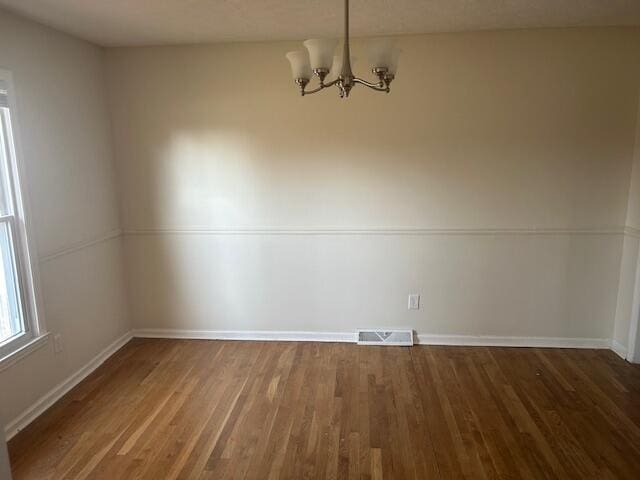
(196, 409)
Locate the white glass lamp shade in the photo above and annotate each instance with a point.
(321, 52)
(395, 58)
(299, 64)
(381, 52)
(336, 67)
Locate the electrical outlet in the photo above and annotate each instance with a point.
(57, 343)
(414, 301)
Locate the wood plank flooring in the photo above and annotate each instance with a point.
(197, 409)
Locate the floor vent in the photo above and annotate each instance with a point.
(385, 337)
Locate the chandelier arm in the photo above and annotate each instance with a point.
(372, 86)
(322, 86)
(368, 84)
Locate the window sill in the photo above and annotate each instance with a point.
(14, 357)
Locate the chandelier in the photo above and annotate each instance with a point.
(319, 60)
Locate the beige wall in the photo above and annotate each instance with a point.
(633, 208)
(345, 207)
(495, 181)
(66, 142)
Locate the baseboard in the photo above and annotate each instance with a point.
(261, 335)
(57, 392)
(496, 341)
(422, 339)
(619, 349)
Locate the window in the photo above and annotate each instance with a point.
(18, 324)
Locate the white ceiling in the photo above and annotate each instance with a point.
(153, 22)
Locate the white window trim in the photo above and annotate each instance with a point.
(35, 332)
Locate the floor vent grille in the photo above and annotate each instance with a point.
(385, 337)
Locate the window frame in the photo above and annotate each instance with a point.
(18, 224)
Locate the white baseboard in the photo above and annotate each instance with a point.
(422, 339)
(619, 349)
(262, 335)
(496, 341)
(57, 392)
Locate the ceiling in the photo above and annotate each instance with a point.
(155, 22)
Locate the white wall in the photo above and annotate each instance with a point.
(5, 469)
(626, 332)
(66, 142)
(493, 180)
(627, 286)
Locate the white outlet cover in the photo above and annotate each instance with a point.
(57, 343)
(414, 301)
